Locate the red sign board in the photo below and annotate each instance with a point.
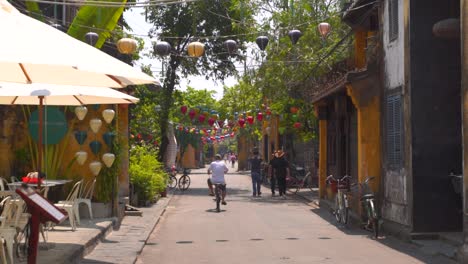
(47, 210)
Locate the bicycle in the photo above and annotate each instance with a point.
(219, 187)
(341, 210)
(184, 180)
(172, 179)
(372, 222)
(294, 184)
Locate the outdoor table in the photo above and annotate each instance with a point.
(46, 184)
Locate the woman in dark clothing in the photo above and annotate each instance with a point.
(279, 168)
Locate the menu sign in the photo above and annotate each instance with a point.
(46, 208)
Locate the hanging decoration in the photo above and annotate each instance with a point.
(108, 159)
(294, 117)
(221, 123)
(293, 109)
(108, 115)
(80, 112)
(108, 138)
(231, 46)
(183, 109)
(162, 48)
(262, 42)
(211, 121)
(95, 146)
(259, 116)
(250, 119)
(192, 113)
(91, 38)
(297, 125)
(201, 118)
(95, 167)
(81, 136)
(95, 124)
(294, 35)
(324, 30)
(241, 122)
(81, 157)
(127, 45)
(195, 49)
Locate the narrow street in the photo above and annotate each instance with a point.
(262, 230)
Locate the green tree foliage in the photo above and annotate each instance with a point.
(204, 21)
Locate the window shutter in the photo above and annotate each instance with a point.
(393, 19)
(394, 127)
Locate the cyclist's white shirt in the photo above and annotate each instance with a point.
(218, 168)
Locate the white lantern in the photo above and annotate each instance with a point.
(95, 167)
(81, 157)
(324, 29)
(108, 159)
(80, 112)
(195, 49)
(108, 115)
(95, 124)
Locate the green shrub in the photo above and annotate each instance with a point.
(146, 173)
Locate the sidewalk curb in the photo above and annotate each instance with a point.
(151, 230)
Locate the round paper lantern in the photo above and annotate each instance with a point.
(294, 35)
(126, 45)
(108, 159)
(95, 167)
(231, 46)
(192, 113)
(259, 116)
(201, 118)
(95, 124)
(80, 112)
(241, 122)
(81, 136)
(324, 29)
(211, 121)
(220, 123)
(250, 119)
(108, 138)
(297, 125)
(183, 109)
(195, 49)
(91, 38)
(81, 157)
(108, 115)
(162, 48)
(95, 146)
(262, 42)
(293, 109)
(268, 111)
(294, 117)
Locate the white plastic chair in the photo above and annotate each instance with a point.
(85, 195)
(69, 205)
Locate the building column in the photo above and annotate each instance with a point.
(321, 114)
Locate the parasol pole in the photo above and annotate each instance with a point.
(39, 142)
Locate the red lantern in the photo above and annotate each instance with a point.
(268, 111)
(192, 113)
(241, 122)
(250, 119)
(293, 109)
(183, 109)
(211, 121)
(232, 134)
(297, 125)
(220, 123)
(201, 118)
(139, 136)
(260, 116)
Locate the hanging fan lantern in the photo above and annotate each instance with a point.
(231, 46)
(183, 109)
(108, 159)
(80, 112)
(95, 124)
(162, 48)
(81, 136)
(127, 45)
(81, 157)
(262, 42)
(294, 35)
(91, 38)
(324, 29)
(95, 167)
(195, 49)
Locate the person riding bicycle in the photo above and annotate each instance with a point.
(218, 168)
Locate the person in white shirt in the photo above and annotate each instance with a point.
(217, 170)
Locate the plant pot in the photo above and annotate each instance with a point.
(164, 193)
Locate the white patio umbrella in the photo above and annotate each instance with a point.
(37, 94)
(34, 52)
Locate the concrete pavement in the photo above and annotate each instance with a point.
(264, 230)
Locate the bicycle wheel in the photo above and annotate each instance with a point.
(292, 185)
(344, 209)
(172, 182)
(374, 219)
(218, 199)
(184, 182)
(337, 212)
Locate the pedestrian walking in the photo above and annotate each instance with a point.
(233, 160)
(279, 168)
(255, 171)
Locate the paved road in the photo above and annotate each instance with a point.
(262, 230)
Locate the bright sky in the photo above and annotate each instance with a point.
(136, 20)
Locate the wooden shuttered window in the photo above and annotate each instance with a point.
(392, 19)
(394, 131)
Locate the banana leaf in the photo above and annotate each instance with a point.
(34, 10)
(103, 19)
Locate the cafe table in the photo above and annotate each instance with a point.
(46, 185)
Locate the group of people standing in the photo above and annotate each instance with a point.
(278, 170)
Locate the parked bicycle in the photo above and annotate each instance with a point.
(184, 180)
(341, 207)
(294, 184)
(172, 179)
(371, 220)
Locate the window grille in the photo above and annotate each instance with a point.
(394, 131)
(393, 19)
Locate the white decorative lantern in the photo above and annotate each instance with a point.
(195, 49)
(80, 112)
(108, 159)
(95, 167)
(81, 157)
(95, 124)
(108, 115)
(324, 29)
